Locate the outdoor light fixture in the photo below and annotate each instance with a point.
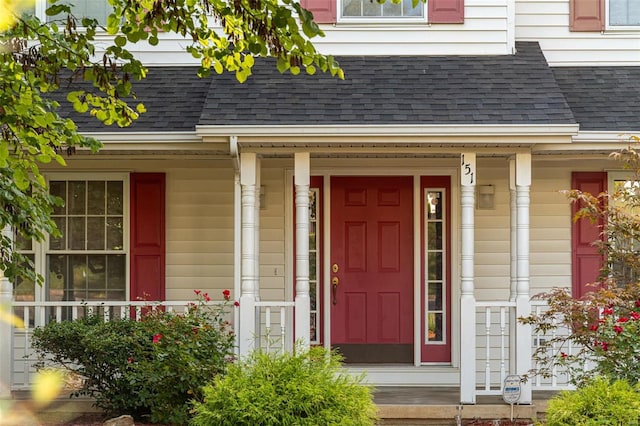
(485, 197)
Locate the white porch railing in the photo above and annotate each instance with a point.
(559, 379)
(274, 329)
(495, 351)
(494, 327)
(275, 320)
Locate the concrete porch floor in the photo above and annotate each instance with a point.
(397, 405)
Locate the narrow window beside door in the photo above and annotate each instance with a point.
(435, 286)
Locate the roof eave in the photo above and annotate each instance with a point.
(376, 130)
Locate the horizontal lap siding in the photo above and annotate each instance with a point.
(272, 232)
(547, 21)
(492, 233)
(484, 32)
(550, 230)
(200, 231)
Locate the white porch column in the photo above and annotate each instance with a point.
(467, 296)
(6, 333)
(514, 263)
(523, 301)
(303, 302)
(247, 332)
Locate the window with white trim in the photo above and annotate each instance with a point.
(96, 9)
(89, 261)
(435, 284)
(387, 10)
(627, 249)
(623, 13)
(314, 258)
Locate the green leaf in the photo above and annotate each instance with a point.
(141, 108)
(21, 179)
(56, 9)
(120, 41)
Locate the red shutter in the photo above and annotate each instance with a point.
(324, 11)
(446, 11)
(147, 236)
(586, 15)
(586, 260)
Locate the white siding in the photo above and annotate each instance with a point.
(272, 232)
(547, 21)
(484, 32)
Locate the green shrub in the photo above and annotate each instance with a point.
(299, 388)
(600, 402)
(148, 368)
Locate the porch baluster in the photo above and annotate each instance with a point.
(503, 327)
(487, 367)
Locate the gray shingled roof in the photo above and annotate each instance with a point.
(173, 96)
(602, 98)
(508, 89)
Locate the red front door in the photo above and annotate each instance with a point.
(372, 268)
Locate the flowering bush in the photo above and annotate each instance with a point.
(603, 327)
(603, 336)
(152, 367)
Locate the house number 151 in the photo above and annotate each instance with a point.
(468, 169)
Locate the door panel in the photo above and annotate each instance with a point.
(372, 246)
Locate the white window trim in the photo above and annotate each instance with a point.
(381, 19)
(616, 28)
(40, 248)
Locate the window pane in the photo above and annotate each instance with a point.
(434, 235)
(312, 266)
(98, 9)
(351, 8)
(24, 290)
(77, 277)
(624, 12)
(116, 281)
(409, 10)
(59, 243)
(57, 269)
(435, 296)
(371, 8)
(312, 295)
(389, 8)
(59, 189)
(96, 196)
(22, 243)
(76, 233)
(114, 233)
(97, 275)
(435, 327)
(77, 198)
(312, 204)
(435, 266)
(434, 206)
(312, 236)
(114, 198)
(95, 233)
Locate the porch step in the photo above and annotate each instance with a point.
(410, 415)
